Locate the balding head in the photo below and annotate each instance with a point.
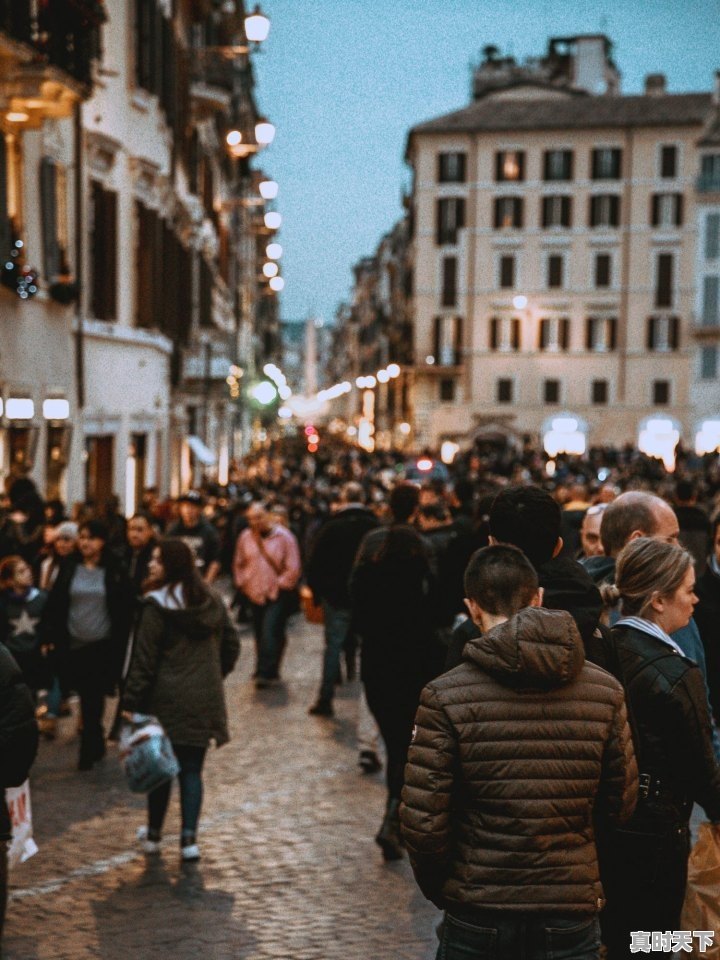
(637, 514)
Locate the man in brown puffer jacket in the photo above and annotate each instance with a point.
(512, 752)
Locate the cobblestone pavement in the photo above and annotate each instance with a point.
(289, 867)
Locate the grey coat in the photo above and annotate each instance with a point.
(179, 661)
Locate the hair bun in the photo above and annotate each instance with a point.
(610, 594)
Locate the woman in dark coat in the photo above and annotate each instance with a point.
(184, 647)
(643, 865)
(90, 607)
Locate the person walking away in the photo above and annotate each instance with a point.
(18, 748)
(199, 534)
(391, 592)
(328, 569)
(90, 606)
(644, 863)
(511, 752)
(22, 622)
(707, 616)
(266, 568)
(185, 646)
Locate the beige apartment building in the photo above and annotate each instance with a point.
(554, 254)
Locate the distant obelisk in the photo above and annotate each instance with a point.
(311, 377)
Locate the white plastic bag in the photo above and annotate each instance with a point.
(147, 754)
(22, 846)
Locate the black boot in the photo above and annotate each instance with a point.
(389, 839)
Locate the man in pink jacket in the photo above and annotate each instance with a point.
(266, 569)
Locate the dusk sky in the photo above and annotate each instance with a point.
(344, 80)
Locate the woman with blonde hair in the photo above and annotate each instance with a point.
(644, 864)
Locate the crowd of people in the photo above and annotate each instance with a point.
(538, 650)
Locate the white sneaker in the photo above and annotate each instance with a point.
(147, 846)
(190, 852)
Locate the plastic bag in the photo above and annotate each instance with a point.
(147, 754)
(22, 846)
(701, 910)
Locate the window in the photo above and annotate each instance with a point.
(668, 162)
(510, 165)
(447, 390)
(603, 270)
(556, 211)
(664, 267)
(661, 392)
(54, 211)
(558, 165)
(555, 270)
(504, 391)
(507, 272)
(551, 391)
(605, 210)
(711, 302)
(148, 45)
(451, 167)
(103, 247)
(600, 334)
(554, 334)
(599, 391)
(606, 163)
(663, 334)
(449, 282)
(666, 210)
(508, 212)
(709, 363)
(505, 334)
(712, 236)
(447, 341)
(710, 167)
(450, 219)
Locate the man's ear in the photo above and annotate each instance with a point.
(634, 535)
(474, 610)
(537, 600)
(559, 544)
(492, 541)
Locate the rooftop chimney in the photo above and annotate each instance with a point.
(655, 85)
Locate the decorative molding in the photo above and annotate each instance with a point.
(102, 151)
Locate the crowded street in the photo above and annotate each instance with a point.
(289, 866)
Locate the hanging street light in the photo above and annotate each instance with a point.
(273, 251)
(268, 189)
(257, 26)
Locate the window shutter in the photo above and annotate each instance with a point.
(499, 159)
(436, 338)
(458, 341)
(566, 211)
(48, 207)
(679, 205)
(592, 211)
(544, 331)
(439, 212)
(4, 221)
(546, 202)
(674, 333)
(650, 341)
(615, 211)
(565, 333)
(518, 212)
(589, 333)
(612, 323)
(497, 210)
(617, 163)
(655, 210)
(460, 202)
(494, 333)
(515, 333)
(521, 165)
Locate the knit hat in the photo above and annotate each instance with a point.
(67, 530)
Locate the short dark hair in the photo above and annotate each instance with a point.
(684, 490)
(403, 501)
(501, 580)
(529, 518)
(631, 511)
(714, 524)
(96, 529)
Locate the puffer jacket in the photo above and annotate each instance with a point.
(18, 733)
(180, 658)
(512, 750)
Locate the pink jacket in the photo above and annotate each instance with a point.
(254, 574)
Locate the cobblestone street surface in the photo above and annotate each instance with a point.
(289, 868)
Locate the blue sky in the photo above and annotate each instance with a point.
(344, 80)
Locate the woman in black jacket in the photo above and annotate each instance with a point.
(644, 864)
(90, 606)
(184, 647)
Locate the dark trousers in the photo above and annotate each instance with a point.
(191, 761)
(512, 936)
(3, 883)
(394, 707)
(269, 621)
(644, 876)
(89, 669)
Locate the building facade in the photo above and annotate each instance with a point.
(553, 249)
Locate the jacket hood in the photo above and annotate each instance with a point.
(194, 622)
(600, 569)
(537, 649)
(567, 586)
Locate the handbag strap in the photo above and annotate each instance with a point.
(268, 559)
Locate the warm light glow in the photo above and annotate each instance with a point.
(707, 439)
(257, 26)
(273, 251)
(264, 133)
(370, 382)
(270, 269)
(430, 360)
(448, 451)
(277, 284)
(658, 438)
(520, 302)
(130, 481)
(404, 429)
(268, 189)
(550, 468)
(56, 409)
(284, 391)
(564, 435)
(264, 393)
(19, 408)
(285, 413)
(313, 438)
(352, 431)
(273, 220)
(424, 465)
(233, 138)
(224, 465)
(17, 116)
(393, 370)
(383, 376)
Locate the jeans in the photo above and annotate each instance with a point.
(3, 883)
(88, 671)
(337, 627)
(191, 761)
(269, 621)
(510, 936)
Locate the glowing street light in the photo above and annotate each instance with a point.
(264, 393)
(383, 376)
(270, 269)
(257, 26)
(277, 284)
(393, 370)
(272, 220)
(520, 302)
(264, 132)
(268, 189)
(233, 138)
(273, 251)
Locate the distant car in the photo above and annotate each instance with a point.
(426, 468)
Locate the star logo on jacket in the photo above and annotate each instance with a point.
(24, 624)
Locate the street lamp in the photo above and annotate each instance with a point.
(257, 26)
(273, 251)
(264, 393)
(272, 220)
(268, 189)
(277, 284)
(270, 270)
(264, 132)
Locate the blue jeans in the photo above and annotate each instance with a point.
(191, 761)
(269, 621)
(508, 936)
(337, 627)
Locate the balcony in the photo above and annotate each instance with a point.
(213, 78)
(207, 361)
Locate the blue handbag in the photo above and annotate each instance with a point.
(147, 754)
